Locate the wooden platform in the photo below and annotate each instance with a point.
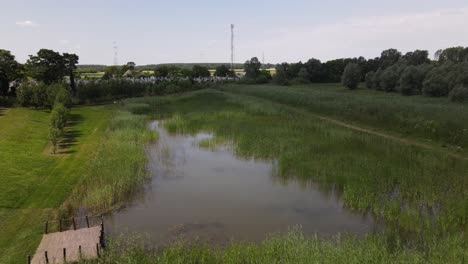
(71, 240)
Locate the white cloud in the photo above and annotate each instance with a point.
(369, 36)
(27, 23)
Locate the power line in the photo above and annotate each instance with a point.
(232, 46)
(116, 53)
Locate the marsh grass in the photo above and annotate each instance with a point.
(434, 119)
(413, 189)
(118, 167)
(292, 247)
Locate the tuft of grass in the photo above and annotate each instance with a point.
(118, 167)
(292, 247)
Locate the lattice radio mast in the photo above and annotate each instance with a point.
(232, 47)
(116, 53)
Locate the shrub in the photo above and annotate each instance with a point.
(63, 97)
(25, 92)
(351, 76)
(58, 121)
(459, 94)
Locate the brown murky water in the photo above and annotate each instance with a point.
(215, 197)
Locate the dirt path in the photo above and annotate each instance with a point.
(406, 141)
(388, 136)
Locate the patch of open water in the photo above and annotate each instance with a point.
(214, 196)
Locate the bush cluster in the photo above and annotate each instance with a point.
(58, 121)
(433, 80)
(102, 90)
(40, 95)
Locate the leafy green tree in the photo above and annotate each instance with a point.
(351, 76)
(280, 77)
(459, 94)
(166, 71)
(455, 54)
(435, 85)
(315, 70)
(71, 60)
(112, 72)
(389, 79)
(47, 66)
(4, 84)
(389, 57)
(223, 71)
(303, 76)
(10, 70)
(417, 57)
(252, 68)
(200, 71)
(411, 81)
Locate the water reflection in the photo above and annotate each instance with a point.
(214, 196)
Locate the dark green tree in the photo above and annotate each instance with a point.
(390, 78)
(222, 71)
(351, 76)
(417, 57)
(47, 66)
(411, 81)
(315, 70)
(200, 71)
(281, 77)
(10, 70)
(252, 68)
(370, 80)
(303, 76)
(455, 54)
(71, 60)
(389, 57)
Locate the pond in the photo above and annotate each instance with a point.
(213, 196)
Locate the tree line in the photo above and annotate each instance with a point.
(35, 82)
(409, 74)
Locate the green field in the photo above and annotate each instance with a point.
(401, 159)
(35, 185)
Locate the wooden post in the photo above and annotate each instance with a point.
(60, 224)
(97, 250)
(46, 257)
(87, 221)
(29, 258)
(74, 224)
(79, 252)
(64, 254)
(101, 237)
(46, 227)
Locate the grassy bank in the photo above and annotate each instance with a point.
(36, 185)
(118, 167)
(434, 119)
(288, 248)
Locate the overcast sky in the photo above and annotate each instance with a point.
(153, 31)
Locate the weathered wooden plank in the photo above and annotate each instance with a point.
(73, 241)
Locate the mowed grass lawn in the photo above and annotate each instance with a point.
(34, 183)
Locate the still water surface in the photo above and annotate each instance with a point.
(214, 196)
